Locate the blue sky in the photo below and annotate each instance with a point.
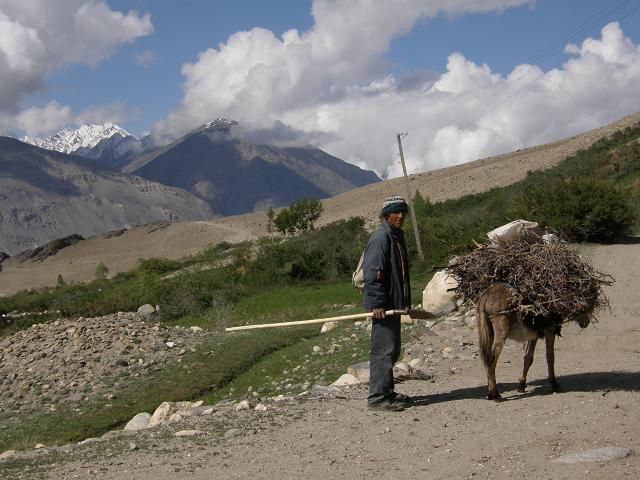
(390, 68)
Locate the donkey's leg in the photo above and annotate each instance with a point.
(550, 338)
(530, 349)
(501, 330)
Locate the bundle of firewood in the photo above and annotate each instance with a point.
(552, 278)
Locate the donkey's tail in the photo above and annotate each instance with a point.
(485, 333)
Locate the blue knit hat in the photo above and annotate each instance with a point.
(394, 204)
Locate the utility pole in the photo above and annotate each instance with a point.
(400, 136)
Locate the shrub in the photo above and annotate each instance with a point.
(582, 209)
(159, 266)
(101, 272)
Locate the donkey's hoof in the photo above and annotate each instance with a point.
(495, 396)
(555, 387)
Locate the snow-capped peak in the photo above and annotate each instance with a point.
(86, 136)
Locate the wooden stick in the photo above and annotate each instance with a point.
(356, 316)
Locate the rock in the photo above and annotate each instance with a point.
(328, 326)
(407, 320)
(345, 380)
(139, 422)
(261, 407)
(402, 371)
(133, 446)
(167, 410)
(198, 403)
(7, 454)
(360, 371)
(243, 405)
(596, 455)
(447, 352)
(316, 349)
(39, 446)
(188, 433)
(436, 298)
(146, 310)
(324, 391)
(196, 329)
(232, 433)
(75, 397)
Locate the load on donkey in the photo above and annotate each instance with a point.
(525, 286)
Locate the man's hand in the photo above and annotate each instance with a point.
(378, 313)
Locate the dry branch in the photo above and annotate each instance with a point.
(553, 280)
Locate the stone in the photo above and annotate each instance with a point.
(407, 320)
(162, 414)
(39, 446)
(7, 454)
(75, 397)
(261, 407)
(188, 433)
(402, 371)
(146, 310)
(346, 380)
(133, 446)
(328, 326)
(198, 403)
(243, 405)
(436, 297)
(360, 371)
(232, 433)
(595, 455)
(196, 329)
(316, 349)
(139, 422)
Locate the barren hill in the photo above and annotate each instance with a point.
(175, 240)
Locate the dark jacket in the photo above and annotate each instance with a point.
(386, 270)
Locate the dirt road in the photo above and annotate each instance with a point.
(452, 433)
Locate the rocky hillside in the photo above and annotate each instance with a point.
(46, 195)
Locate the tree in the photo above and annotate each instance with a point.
(270, 218)
(300, 216)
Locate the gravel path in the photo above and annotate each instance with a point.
(452, 433)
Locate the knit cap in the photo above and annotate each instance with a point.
(394, 204)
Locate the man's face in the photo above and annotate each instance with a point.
(396, 219)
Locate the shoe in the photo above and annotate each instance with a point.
(388, 405)
(400, 397)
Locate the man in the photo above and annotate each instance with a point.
(386, 287)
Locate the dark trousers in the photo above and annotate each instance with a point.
(385, 351)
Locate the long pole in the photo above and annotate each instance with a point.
(409, 197)
(355, 316)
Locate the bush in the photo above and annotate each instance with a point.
(581, 209)
(101, 272)
(159, 266)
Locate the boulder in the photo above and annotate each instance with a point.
(147, 310)
(328, 326)
(360, 371)
(139, 422)
(437, 297)
(345, 380)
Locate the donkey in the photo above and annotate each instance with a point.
(499, 317)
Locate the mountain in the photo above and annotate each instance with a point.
(80, 141)
(46, 195)
(236, 176)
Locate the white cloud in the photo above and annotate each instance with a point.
(36, 121)
(39, 36)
